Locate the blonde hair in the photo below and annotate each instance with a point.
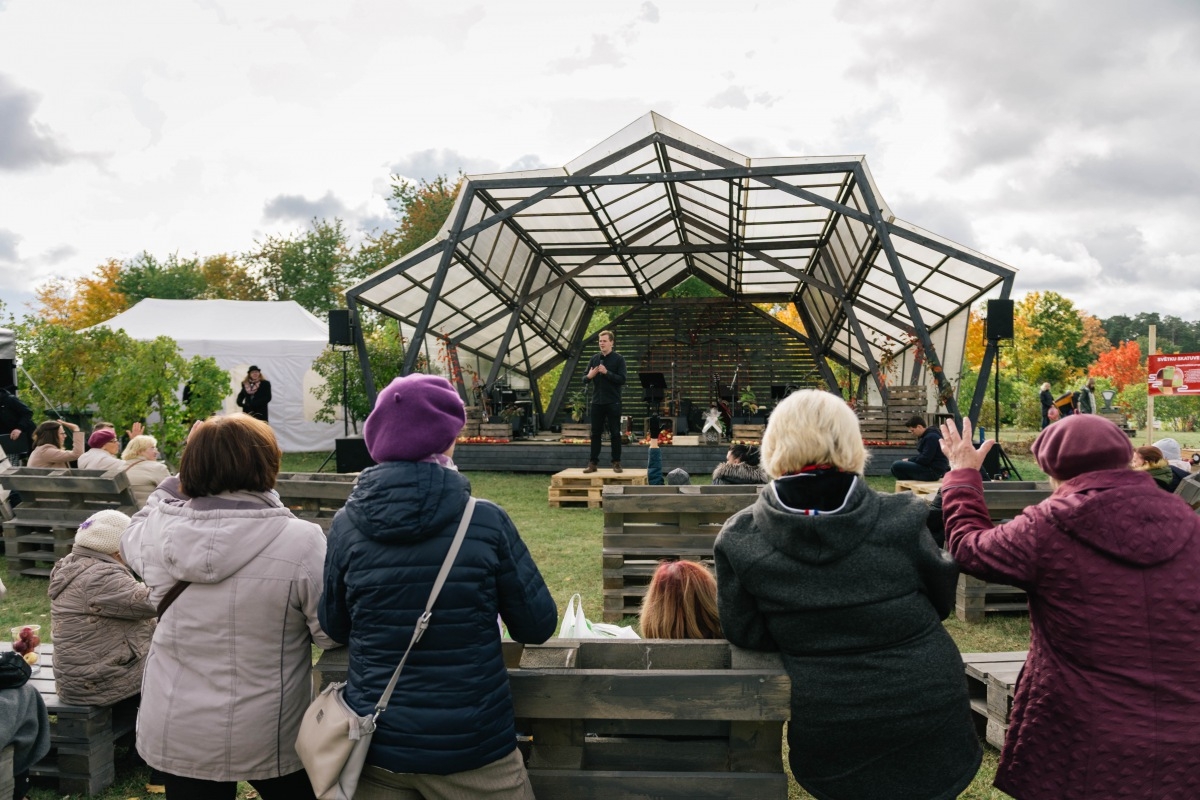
(138, 445)
(681, 603)
(811, 427)
(1046, 386)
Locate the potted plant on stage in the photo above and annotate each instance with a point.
(578, 405)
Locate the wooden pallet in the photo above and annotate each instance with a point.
(991, 684)
(626, 719)
(54, 502)
(572, 488)
(82, 738)
(926, 489)
(975, 599)
(644, 525)
(315, 496)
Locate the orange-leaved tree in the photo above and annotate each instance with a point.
(84, 301)
(1122, 365)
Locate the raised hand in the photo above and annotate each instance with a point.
(136, 429)
(958, 448)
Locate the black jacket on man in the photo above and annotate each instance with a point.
(929, 451)
(14, 415)
(606, 388)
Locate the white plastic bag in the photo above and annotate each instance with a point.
(576, 626)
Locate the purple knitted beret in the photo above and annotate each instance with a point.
(415, 416)
(1081, 443)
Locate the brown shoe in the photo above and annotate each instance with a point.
(591, 467)
(616, 466)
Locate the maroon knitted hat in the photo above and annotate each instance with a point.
(1081, 443)
(415, 416)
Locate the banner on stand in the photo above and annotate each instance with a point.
(1174, 374)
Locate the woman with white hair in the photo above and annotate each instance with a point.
(849, 586)
(145, 471)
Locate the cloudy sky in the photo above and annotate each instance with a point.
(1058, 137)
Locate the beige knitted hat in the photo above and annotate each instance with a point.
(102, 531)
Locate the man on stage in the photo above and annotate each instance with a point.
(606, 373)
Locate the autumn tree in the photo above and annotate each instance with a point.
(420, 210)
(84, 301)
(226, 278)
(1094, 337)
(1121, 365)
(311, 268)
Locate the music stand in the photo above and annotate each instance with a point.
(654, 389)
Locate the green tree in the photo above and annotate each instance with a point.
(385, 350)
(311, 268)
(64, 364)
(226, 278)
(170, 279)
(1060, 329)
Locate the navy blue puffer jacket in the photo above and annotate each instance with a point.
(452, 708)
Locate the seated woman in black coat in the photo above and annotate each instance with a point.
(741, 466)
(849, 586)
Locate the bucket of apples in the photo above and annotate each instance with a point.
(25, 641)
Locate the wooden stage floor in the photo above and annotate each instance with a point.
(550, 456)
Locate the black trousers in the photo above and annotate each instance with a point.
(606, 415)
(286, 787)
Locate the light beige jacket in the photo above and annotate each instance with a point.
(144, 477)
(51, 455)
(227, 680)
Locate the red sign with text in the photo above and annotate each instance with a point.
(1174, 373)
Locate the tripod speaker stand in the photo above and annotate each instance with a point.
(996, 463)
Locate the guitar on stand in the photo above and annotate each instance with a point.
(719, 410)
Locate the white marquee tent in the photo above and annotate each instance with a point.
(280, 338)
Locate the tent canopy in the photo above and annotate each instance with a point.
(525, 256)
(280, 337)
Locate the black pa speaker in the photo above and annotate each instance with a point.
(999, 319)
(352, 455)
(339, 327)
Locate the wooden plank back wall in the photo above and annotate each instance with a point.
(705, 337)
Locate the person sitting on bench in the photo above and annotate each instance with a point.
(740, 467)
(681, 603)
(929, 464)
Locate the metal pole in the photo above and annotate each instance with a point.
(345, 396)
(996, 393)
(1150, 397)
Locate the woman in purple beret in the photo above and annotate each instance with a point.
(1108, 703)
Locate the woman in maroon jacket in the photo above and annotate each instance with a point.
(1108, 704)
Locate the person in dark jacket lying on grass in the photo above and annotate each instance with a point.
(929, 464)
(449, 729)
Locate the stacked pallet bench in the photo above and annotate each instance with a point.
(82, 738)
(315, 496)
(573, 488)
(976, 598)
(991, 683)
(886, 422)
(625, 719)
(644, 525)
(53, 504)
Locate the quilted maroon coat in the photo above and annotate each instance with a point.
(1108, 704)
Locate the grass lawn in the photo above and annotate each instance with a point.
(566, 545)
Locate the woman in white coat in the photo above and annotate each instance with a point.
(143, 468)
(227, 678)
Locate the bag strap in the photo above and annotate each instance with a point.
(170, 596)
(423, 621)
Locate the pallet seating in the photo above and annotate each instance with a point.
(572, 488)
(926, 489)
(315, 496)
(991, 683)
(644, 525)
(617, 719)
(82, 738)
(975, 598)
(53, 504)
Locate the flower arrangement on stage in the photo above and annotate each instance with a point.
(574, 440)
(664, 437)
(884, 443)
(482, 440)
(752, 442)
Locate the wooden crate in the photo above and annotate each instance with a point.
(625, 719)
(496, 430)
(577, 430)
(315, 496)
(644, 525)
(470, 429)
(82, 738)
(975, 599)
(54, 502)
(991, 684)
(572, 488)
(748, 432)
